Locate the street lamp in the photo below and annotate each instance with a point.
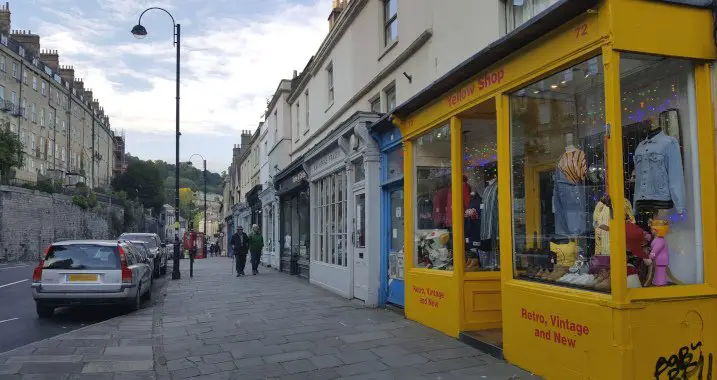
(204, 174)
(140, 32)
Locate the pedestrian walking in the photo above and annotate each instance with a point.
(240, 246)
(256, 244)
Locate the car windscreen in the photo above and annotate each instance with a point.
(151, 243)
(82, 256)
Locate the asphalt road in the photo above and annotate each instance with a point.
(19, 324)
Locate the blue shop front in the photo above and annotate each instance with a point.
(392, 266)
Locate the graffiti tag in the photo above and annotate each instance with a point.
(683, 366)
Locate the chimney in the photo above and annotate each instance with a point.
(50, 58)
(245, 138)
(26, 39)
(296, 74)
(79, 85)
(95, 104)
(337, 6)
(87, 94)
(67, 73)
(5, 18)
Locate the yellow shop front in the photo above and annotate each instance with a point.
(560, 200)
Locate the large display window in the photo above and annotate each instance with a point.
(433, 223)
(330, 228)
(559, 160)
(661, 171)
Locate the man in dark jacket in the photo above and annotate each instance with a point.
(240, 245)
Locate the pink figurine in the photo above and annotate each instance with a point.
(659, 252)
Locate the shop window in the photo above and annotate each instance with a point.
(520, 11)
(661, 171)
(360, 232)
(433, 212)
(394, 164)
(330, 230)
(480, 193)
(559, 191)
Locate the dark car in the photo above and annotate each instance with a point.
(157, 249)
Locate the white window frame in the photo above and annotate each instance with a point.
(390, 93)
(298, 120)
(44, 88)
(3, 67)
(34, 82)
(32, 143)
(15, 70)
(388, 20)
(330, 83)
(33, 112)
(24, 76)
(529, 7)
(42, 117)
(373, 101)
(330, 231)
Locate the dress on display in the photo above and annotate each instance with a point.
(601, 217)
(489, 224)
(439, 207)
(449, 201)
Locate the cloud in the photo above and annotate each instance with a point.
(230, 65)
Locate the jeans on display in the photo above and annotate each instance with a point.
(569, 206)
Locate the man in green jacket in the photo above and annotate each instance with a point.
(256, 244)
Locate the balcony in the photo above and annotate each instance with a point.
(17, 111)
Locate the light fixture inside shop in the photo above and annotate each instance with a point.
(553, 86)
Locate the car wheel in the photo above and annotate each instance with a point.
(44, 311)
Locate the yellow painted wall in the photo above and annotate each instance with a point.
(433, 300)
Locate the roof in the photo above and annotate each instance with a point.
(545, 22)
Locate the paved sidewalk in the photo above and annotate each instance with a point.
(270, 326)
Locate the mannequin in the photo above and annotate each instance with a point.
(659, 252)
(439, 204)
(659, 177)
(569, 201)
(466, 188)
(489, 219)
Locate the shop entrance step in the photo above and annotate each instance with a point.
(489, 341)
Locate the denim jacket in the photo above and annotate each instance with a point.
(658, 171)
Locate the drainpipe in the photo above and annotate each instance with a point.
(92, 158)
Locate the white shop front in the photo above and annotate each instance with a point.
(343, 172)
(270, 226)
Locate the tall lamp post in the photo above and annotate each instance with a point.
(204, 175)
(140, 32)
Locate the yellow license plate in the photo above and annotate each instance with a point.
(82, 277)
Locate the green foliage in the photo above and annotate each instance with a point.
(81, 201)
(141, 181)
(49, 186)
(187, 173)
(11, 151)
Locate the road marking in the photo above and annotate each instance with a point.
(17, 266)
(9, 320)
(13, 283)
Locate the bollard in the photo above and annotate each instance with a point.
(191, 263)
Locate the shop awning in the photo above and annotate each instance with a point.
(540, 25)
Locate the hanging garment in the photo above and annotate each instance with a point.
(569, 206)
(601, 216)
(489, 219)
(658, 171)
(574, 166)
(439, 207)
(449, 201)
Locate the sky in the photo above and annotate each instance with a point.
(233, 55)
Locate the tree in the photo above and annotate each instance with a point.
(143, 182)
(11, 151)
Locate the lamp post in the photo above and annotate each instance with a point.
(204, 175)
(140, 32)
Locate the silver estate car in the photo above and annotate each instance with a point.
(91, 272)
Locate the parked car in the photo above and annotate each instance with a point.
(143, 250)
(90, 272)
(157, 249)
